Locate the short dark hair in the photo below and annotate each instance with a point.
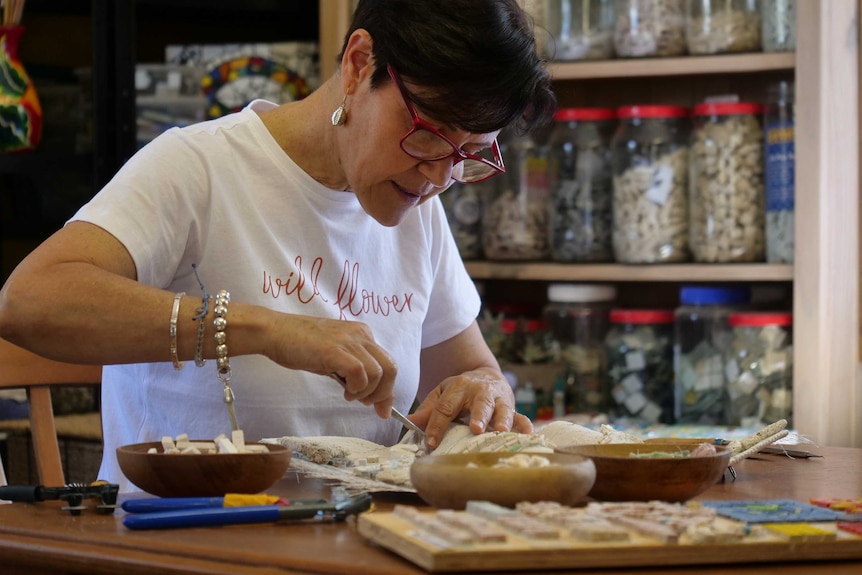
(477, 59)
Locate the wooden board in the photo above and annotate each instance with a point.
(517, 553)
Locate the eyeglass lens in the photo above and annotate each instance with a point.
(427, 145)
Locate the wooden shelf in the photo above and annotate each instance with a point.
(631, 273)
(688, 65)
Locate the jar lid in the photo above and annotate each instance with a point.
(641, 316)
(652, 112)
(703, 295)
(508, 326)
(727, 109)
(760, 319)
(584, 114)
(581, 293)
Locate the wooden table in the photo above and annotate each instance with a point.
(41, 538)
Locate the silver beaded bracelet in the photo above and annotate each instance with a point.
(175, 312)
(222, 299)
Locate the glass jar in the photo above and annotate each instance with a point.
(536, 10)
(515, 333)
(581, 185)
(526, 400)
(528, 342)
(576, 317)
(649, 28)
(758, 369)
(515, 225)
(649, 158)
(701, 337)
(778, 25)
(639, 348)
(580, 29)
(780, 172)
(464, 205)
(726, 183)
(722, 26)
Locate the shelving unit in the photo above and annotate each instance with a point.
(567, 73)
(631, 273)
(825, 276)
(684, 66)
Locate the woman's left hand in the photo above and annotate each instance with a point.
(482, 397)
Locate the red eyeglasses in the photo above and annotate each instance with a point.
(425, 142)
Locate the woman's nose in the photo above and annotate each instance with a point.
(439, 172)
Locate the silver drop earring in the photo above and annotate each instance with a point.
(339, 116)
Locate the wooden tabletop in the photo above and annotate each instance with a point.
(41, 538)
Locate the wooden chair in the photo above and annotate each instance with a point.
(21, 368)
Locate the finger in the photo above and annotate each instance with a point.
(483, 410)
(381, 387)
(503, 415)
(421, 416)
(522, 424)
(382, 405)
(383, 408)
(363, 369)
(378, 370)
(442, 408)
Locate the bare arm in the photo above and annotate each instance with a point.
(76, 299)
(462, 378)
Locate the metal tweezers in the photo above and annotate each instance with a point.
(779, 450)
(395, 413)
(775, 449)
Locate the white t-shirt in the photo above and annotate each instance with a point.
(224, 196)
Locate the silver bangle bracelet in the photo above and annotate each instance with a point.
(175, 312)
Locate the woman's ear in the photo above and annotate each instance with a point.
(357, 65)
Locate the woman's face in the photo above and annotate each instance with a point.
(387, 181)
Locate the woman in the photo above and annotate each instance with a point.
(320, 219)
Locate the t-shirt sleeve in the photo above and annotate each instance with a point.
(454, 303)
(153, 205)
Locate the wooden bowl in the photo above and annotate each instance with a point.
(450, 481)
(622, 476)
(202, 475)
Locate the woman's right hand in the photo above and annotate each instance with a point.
(345, 348)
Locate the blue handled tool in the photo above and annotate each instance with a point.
(209, 516)
(169, 503)
(176, 503)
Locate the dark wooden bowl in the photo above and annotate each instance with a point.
(450, 481)
(203, 475)
(620, 476)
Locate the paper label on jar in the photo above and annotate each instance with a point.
(661, 185)
(779, 166)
